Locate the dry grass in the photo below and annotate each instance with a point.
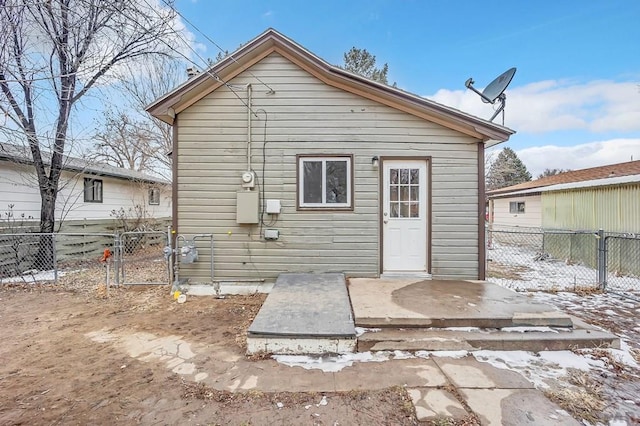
(587, 290)
(470, 420)
(511, 272)
(580, 290)
(605, 355)
(397, 396)
(583, 400)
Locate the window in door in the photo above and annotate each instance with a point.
(404, 190)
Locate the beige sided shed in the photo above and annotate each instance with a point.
(295, 165)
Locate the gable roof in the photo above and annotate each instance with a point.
(21, 155)
(618, 170)
(271, 41)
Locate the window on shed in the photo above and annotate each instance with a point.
(154, 196)
(516, 207)
(324, 182)
(92, 190)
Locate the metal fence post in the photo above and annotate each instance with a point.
(116, 258)
(55, 258)
(602, 260)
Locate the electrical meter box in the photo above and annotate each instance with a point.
(247, 207)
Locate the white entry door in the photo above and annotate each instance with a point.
(404, 216)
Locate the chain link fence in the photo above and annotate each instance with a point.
(622, 256)
(538, 259)
(84, 260)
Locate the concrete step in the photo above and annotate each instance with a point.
(431, 339)
(518, 319)
(298, 345)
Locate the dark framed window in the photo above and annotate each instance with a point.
(325, 182)
(92, 190)
(154, 196)
(516, 207)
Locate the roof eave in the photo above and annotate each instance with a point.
(166, 107)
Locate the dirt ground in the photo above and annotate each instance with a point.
(53, 373)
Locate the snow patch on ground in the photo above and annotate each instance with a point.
(540, 367)
(528, 329)
(442, 354)
(331, 363)
(361, 330)
(467, 329)
(546, 273)
(34, 277)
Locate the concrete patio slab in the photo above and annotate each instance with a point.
(432, 404)
(444, 303)
(467, 372)
(379, 375)
(515, 407)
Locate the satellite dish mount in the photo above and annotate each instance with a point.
(494, 92)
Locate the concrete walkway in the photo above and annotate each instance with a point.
(439, 386)
(497, 397)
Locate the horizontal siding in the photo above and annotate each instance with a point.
(19, 187)
(306, 116)
(613, 208)
(531, 218)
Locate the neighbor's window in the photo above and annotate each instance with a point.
(324, 182)
(154, 196)
(516, 207)
(92, 190)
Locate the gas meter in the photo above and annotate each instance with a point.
(188, 252)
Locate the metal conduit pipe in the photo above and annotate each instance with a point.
(249, 93)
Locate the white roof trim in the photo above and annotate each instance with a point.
(21, 154)
(620, 180)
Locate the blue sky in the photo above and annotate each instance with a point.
(574, 101)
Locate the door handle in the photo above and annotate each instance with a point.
(385, 221)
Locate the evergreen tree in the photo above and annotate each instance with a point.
(507, 170)
(361, 62)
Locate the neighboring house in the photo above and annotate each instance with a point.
(327, 171)
(88, 191)
(606, 197)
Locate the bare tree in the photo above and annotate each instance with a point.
(125, 142)
(552, 172)
(129, 137)
(52, 53)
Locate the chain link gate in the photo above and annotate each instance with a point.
(135, 249)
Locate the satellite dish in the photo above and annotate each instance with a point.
(495, 91)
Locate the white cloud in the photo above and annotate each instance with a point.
(552, 105)
(592, 154)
